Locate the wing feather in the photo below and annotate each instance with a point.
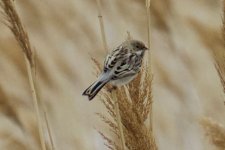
(122, 62)
(128, 67)
(114, 57)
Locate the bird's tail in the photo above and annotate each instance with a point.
(93, 89)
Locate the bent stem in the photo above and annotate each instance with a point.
(35, 101)
(118, 119)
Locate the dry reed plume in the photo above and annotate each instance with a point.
(13, 22)
(220, 56)
(215, 132)
(178, 55)
(129, 106)
(134, 111)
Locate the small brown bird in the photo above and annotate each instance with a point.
(120, 66)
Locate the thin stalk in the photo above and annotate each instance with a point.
(129, 37)
(224, 21)
(148, 30)
(127, 93)
(148, 5)
(118, 119)
(102, 28)
(35, 101)
(49, 131)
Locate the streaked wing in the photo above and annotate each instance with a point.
(114, 57)
(128, 67)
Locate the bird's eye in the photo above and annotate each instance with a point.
(137, 46)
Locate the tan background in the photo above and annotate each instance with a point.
(65, 34)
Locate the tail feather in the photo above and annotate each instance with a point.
(93, 89)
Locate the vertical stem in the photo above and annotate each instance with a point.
(148, 28)
(102, 28)
(49, 131)
(224, 21)
(148, 5)
(41, 103)
(129, 36)
(127, 93)
(35, 102)
(119, 123)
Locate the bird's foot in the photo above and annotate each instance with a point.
(111, 88)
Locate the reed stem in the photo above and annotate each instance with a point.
(30, 71)
(118, 119)
(129, 37)
(127, 93)
(148, 27)
(49, 131)
(224, 21)
(102, 28)
(149, 59)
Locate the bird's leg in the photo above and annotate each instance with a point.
(112, 88)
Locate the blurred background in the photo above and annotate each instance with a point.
(66, 34)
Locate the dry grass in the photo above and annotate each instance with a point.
(223, 30)
(133, 114)
(219, 56)
(186, 89)
(130, 106)
(148, 5)
(102, 28)
(119, 121)
(215, 132)
(53, 147)
(214, 41)
(13, 22)
(149, 58)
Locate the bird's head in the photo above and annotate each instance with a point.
(138, 45)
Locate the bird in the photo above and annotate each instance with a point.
(121, 66)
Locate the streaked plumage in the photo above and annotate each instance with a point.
(120, 66)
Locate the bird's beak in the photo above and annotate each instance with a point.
(146, 49)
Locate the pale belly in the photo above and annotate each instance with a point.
(122, 81)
